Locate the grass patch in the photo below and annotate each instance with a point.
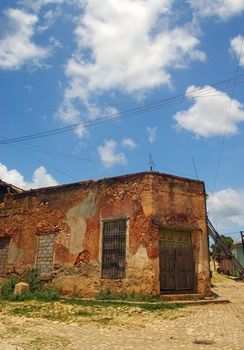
(89, 311)
(160, 306)
(85, 313)
(106, 294)
(38, 290)
(25, 310)
(92, 302)
(148, 306)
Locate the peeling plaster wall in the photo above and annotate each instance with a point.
(74, 213)
(181, 205)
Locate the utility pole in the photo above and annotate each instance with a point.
(242, 240)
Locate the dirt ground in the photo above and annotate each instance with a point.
(213, 327)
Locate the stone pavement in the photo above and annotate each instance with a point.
(210, 327)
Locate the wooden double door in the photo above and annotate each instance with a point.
(176, 261)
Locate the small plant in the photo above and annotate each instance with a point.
(32, 278)
(47, 293)
(7, 288)
(162, 306)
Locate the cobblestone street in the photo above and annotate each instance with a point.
(218, 326)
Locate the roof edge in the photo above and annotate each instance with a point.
(13, 187)
(113, 178)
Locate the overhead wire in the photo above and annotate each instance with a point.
(121, 115)
(205, 92)
(42, 162)
(53, 152)
(224, 84)
(228, 118)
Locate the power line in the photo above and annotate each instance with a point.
(42, 162)
(172, 171)
(53, 152)
(228, 118)
(134, 111)
(56, 109)
(225, 84)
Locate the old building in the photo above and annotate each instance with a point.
(225, 263)
(143, 233)
(6, 188)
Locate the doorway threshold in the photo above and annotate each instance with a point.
(181, 296)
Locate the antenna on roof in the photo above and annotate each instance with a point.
(151, 162)
(194, 166)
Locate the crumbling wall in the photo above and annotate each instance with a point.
(180, 205)
(73, 215)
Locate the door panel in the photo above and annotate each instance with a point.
(167, 268)
(176, 260)
(184, 266)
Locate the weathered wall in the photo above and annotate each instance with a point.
(73, 213)
(180, 205)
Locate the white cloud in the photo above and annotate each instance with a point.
(68, 113)
(221, 8)
(236, 46)
(126, 45)
(208, 115)
(55, 43)
(36, 5)
(109, 155)
(16, 45)
(80, 131)
(48, 19)
(40, 178)
(226, 208)
(128, 143)
(152, 133)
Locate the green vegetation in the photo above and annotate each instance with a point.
(25, 310)
(7, 287)
(82, 311)
(38, 289)
(149, 306)
(32, 278)
(228, 241)
(106, 294)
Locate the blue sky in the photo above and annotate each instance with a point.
(72, 62)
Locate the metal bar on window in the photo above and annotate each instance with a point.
(114, 249)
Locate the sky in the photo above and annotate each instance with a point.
(93, 89)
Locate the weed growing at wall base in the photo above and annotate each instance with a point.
(38, 290)
(106, 294)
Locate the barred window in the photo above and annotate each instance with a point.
(114, 249)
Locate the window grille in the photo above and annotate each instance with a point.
(114, 249)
